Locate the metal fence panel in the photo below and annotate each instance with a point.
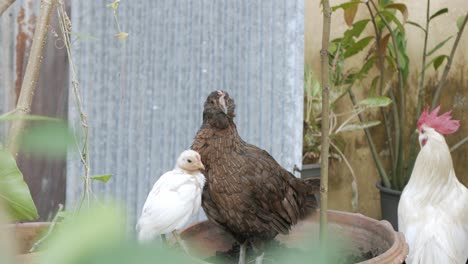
(144, 96)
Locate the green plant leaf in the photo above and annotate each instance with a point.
(389, 16)
(439, 59)
(438, 46)
(365, 68)
(13, 189)
(460, 22)
(416, 25)
(13, 117)
(360, 125)
(102, 178)
(355, 31)
(357, 47)
(400, 7)
(378, 101)
(373, 86)
(438, 13)
(391, 62)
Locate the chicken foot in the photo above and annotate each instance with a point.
(181, 242)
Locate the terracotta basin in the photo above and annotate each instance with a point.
(362, 233)
(26, 234)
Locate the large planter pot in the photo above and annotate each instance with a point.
(389, 200)
(26, 234)
(363, 233)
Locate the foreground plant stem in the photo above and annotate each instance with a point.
(324, 152)
(31, 75)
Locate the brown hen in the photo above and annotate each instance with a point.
(247, 192)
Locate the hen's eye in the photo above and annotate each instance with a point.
(189, 161)
(213, 101)
(422, 131)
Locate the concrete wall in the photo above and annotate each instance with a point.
(455, 95)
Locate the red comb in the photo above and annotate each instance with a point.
(442, 124)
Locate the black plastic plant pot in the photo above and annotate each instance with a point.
(389, 200)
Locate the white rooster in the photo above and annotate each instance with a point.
(433, 209)
(175, 197)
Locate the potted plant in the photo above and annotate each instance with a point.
(312, 134)
(385, 51)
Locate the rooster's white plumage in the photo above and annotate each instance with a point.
(175, 197)
(433, 209)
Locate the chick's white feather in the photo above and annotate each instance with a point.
(173, 200)
(433, 208)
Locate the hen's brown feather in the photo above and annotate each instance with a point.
(247, 191)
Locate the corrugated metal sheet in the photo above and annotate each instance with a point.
(16, 31)
(45, 177)
(144, 97)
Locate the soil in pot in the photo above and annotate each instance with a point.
(279, 253)
(363, 240)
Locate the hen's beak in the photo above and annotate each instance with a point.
(222, 104)
(200, 165)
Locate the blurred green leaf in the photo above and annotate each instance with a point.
(130, 252)
(50, 139)
(378, 101)
(97, 236)
(13, 190)
(13, 117)
(357, 47)
(360, 125)
(102, 178)
(400, 7)
(438, 46)
(416, 25)
(460, 22)
(438, 13)
(90, 231)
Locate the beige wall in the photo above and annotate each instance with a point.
(455, 95)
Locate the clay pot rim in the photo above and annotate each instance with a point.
(398, 250)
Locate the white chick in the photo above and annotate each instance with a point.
(174, 199)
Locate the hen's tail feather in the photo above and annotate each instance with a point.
(311, 188)
(313, 185)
